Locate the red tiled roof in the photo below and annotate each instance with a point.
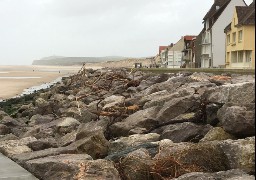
(189, 38)
(162, 48)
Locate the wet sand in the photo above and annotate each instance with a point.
(14, 79)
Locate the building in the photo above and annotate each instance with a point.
(179, 54)
(189, 51)
(240, 38)
(162, 53)
(197, 49)
(173, 55)
(213, 37)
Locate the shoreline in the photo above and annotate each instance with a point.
(17, 80)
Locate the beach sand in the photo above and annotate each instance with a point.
(12, 87)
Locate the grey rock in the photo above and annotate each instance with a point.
(131, 141)
(40, 119)
(4, 129)
(240, 153)
(67, 125)
(136, 165)
(233, 174)
(177, 106)
(143, 119)
(190, 157)
(234, 93)
(95, 145)
(64, 166)
(67, 139)
(13, 147)
(185, 132)
(8, 137)
(26, 156)
(42, 144)
(238, 119)
(217, 133)
(112, 101)
(81, 114)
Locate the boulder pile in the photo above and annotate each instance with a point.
(126, 124)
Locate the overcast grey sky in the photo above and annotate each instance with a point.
(32, 29)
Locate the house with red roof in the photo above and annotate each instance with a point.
(178, 54)
(213, 38)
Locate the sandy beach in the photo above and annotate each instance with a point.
(14, 79)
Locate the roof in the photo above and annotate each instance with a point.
(189, 37)
(162, 48)
(228, 28)
(221, 3)
(246, 14)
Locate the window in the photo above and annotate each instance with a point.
(234, 57)
(234, 38)
(228, 54)
(228, 39)
(240, 36)
(248, 56)
(240, 56)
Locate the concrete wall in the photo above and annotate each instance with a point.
(218, 35)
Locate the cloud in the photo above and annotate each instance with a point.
(31, 29)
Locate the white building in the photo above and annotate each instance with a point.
(213, 37)
(173, 55)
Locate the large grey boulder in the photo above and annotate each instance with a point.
(233, 174)
(217, 133)
(4, 129)
(22, 158)
(136, 165)
(40, 119)
(184, 132)
(95, 145)
(177, 106)
(67, 139)
(41, 144)
(64, 166)
(143, 118)
(175, 159)
(67, 125)
(238, 119)
(91, 128)
(81, 114)
(13, 147)
(8, 137)
(234, 93)
(240, 153)
(161, 99)
(111, 101)
(131, 141)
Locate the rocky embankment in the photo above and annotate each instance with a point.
(116, 124)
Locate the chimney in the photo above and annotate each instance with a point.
(171, 45)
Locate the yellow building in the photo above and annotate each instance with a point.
(240, 38)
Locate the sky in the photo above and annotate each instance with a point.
(33, 29)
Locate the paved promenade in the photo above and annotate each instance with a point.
(10, 170)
